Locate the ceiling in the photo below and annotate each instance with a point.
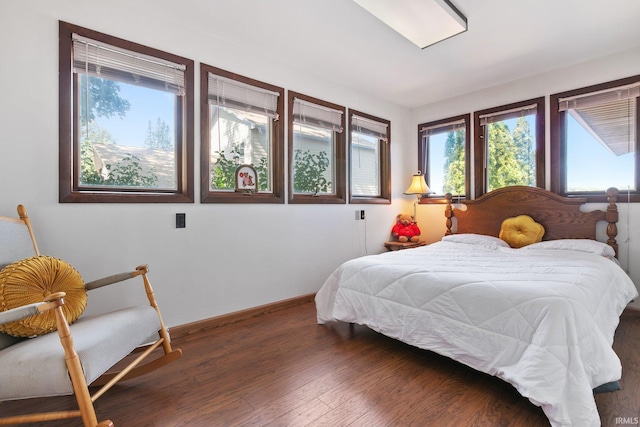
(341, 42)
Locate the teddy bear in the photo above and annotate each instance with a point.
(405, 229)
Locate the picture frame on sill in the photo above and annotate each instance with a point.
(246, 179)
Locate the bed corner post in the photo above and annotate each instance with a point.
(448, 213)
(612, 218)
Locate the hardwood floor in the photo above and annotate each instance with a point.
(282, 369)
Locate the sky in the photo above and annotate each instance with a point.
(597, 166)
(146, 104)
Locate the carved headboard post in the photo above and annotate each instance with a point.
(612, 218)
(448, 213)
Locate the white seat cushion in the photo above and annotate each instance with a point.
(16, 242)
(36, 367)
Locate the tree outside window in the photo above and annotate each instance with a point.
(442, 149)
(509, 146)
(511, 153)
(126, 131)
(140, 161)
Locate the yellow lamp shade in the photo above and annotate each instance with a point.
(418, 185)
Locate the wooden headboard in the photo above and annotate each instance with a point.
(560, 216)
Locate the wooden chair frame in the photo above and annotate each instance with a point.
(134, 369)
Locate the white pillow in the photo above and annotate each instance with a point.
(581, 245)
(476, 239)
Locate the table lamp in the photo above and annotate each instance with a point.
(418, 187)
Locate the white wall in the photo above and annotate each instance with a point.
(229, 257)
(615, 66)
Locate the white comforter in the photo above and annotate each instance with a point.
(542, 320)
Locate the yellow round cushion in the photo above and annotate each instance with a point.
(521, 231)
(29, 281)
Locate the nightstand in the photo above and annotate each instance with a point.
(398, 246)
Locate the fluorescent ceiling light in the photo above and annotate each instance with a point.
(424, 22)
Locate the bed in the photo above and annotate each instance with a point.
(541, 317)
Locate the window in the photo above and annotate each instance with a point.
(443, 148)
(594, 138)
(369, 152)
(240, 125)
(316, 151)
(509, 146)
(126, 121)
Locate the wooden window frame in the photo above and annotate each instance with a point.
(479, 147)
(276, 195)
(339, 196)
(69, 147)
(557, 146)
(423, 150)
(384, 161)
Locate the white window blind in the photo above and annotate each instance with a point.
(608, 115)
(499, 116)
(369, 127)
(230, 93)
(600, 97)
(317, 115)
(443, 128)
(106, 61)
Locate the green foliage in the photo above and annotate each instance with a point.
(104, 99)
(88, 171)
(159, 137)
(97, 135)
(128, 172)
(511, 157)
(261, 171)
(454, 166)
(94, 134)
(503, 165)
(525, 151)
(223, 170)
(308, 172)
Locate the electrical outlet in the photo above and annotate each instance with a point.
(357, 215)
(181, 220)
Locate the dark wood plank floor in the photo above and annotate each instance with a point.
(282, 369)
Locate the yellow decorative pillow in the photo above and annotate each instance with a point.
(32, 279)
(521, 231)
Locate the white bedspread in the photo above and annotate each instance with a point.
(542, 320)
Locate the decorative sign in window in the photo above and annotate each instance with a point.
(246, 179)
